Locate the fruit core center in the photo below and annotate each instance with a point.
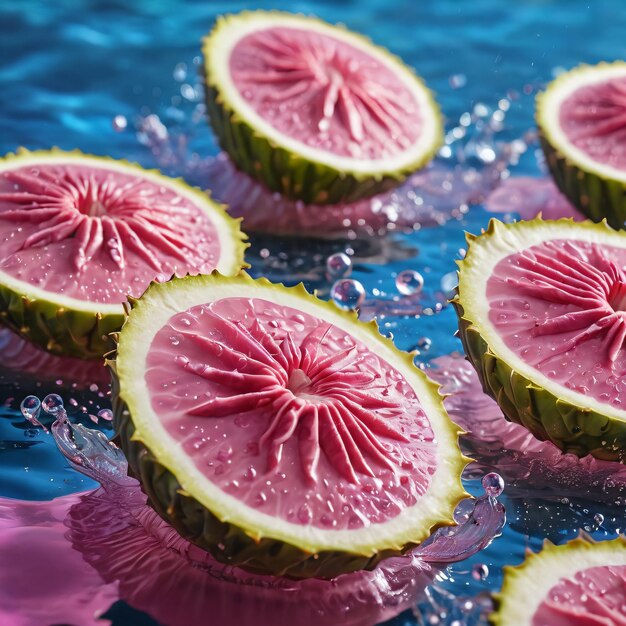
(298, 382)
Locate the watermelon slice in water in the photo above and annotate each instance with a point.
(279, 433)
(542, 317)
(78, 234)
(314, 111)
(582, 123)
(579, 583)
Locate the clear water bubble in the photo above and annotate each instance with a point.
(119, 123)
(348, 293)
(598, 518)
(424, 343)
(52, 404)
(105, 414)
(339, 265)
(30, 408)
(480, 571)
(493, 484)
(409, 282)
(449, 283)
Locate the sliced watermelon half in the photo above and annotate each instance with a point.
(542, 317)
(582, 122)
(314, 111)
(580, 583)
(278, 432)
(79, 234)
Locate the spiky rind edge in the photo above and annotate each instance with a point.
(243, 546)
(596, 195)
(84, 332)
(571, 427)
(283, 170)
(583, 543)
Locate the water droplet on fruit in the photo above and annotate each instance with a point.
(348, 293)
(480, 571)
(338, 265)
(52, 403)
(304, 514)
(105, 414)
(493, 484)
(409, 282)
(30, 407)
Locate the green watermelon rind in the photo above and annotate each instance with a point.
(243, 543)
(572, 427)
(589, 189)
(527, 584)
(281, 169)
(71, 327)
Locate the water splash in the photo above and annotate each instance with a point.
(123, 540)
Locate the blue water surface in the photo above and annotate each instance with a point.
(67, 68)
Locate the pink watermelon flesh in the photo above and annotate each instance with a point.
(592, 597)
(561, 307)
(289, 414)
(593, 118)
(325, 93)
(97, 234)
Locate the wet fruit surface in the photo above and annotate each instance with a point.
(290, 414)
(561, 306)
(594, 120)
(326, 93)
(96, 233)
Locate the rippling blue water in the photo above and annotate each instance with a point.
(67, 68)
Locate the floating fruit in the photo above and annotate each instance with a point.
(580, 582)
(582, 124)
(276, 431)
(542, 317)
(314, 111)
(80, 233)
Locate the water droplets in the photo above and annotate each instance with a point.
(30, 408)
(119, 123)
(348, 294)
(105, 414)
(338, 265)
(493, 484)
(480, 571)
(409, 282)
(52, 404)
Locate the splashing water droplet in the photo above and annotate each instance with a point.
(105, 414)
(598, 518)
(409, 282)
(52, 404)
(493, 484)
(338, 265)
(480, 571)
(348, 293)
(119, 123)
(30, 408)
